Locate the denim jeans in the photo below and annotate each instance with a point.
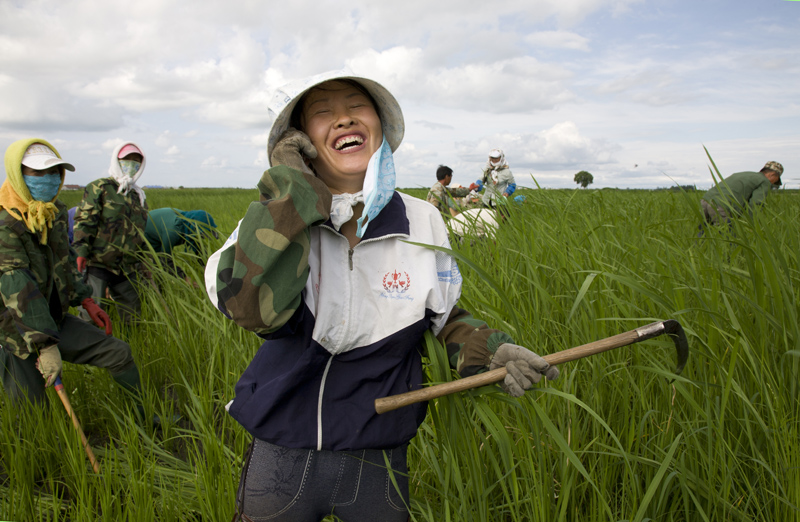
(285, 484)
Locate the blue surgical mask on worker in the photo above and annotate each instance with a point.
(129, 167)
(379, 185)
(43, 188)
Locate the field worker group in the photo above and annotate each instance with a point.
(739, 192)
(323, 269)
(39, 282)
(109, 231)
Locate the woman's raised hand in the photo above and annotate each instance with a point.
(292, 149)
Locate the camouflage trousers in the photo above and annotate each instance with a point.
(714, 214)
(122, 290)
(81, 343)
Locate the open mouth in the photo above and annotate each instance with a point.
(348, 142)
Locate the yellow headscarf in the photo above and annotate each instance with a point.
(15, 197)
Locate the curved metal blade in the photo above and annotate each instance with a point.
(675, 331)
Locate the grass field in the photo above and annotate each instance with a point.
(616, 437)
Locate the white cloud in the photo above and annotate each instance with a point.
(561, 84)
(163, 139)
(514, 85)
(213, 162)
(560, 146)
(558, 40)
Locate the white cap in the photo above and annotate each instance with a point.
(39, 156)
(285, 99)
(496, 153)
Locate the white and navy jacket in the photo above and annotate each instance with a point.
(355, 337)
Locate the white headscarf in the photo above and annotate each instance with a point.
(126, 183)
(492, 168)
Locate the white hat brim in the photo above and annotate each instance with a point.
(287, 97)
(42, 162)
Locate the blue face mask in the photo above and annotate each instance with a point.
(43, 188)
(379, 186)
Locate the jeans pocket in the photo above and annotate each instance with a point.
(397, 478)
(274, 479)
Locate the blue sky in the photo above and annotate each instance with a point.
(630, 90)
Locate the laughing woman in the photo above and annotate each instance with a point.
(323, 270)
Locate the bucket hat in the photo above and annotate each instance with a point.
(286, 98)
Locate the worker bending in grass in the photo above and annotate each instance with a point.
(39, 282)
(328, 270)
(109, 231)
(168, 228)
(739, 193)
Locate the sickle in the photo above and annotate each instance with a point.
(670, 327)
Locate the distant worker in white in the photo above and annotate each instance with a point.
(497, 179)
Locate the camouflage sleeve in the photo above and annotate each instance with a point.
(436, 196)
(262, 269)
(24, 302)
(470, 343)
(81, 290)
(87, 218)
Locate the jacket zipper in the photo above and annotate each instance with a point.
(319, 403)
(350, 253)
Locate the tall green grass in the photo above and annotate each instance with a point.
(614, 438)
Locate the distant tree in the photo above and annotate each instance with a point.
(583, 178)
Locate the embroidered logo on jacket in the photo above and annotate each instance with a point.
(396, 284)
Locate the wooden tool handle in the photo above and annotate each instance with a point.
(62, 394)
(393, 402)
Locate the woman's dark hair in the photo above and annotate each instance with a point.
(297, 112)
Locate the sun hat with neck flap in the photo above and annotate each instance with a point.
(286, 98)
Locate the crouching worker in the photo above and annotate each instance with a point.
(327, 269)
(168, 228)
(39, 282)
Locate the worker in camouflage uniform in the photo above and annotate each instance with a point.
(109, 231)
(38, 283)
(442, 196)
(327, 268)
(739, 192)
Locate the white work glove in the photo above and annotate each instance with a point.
(49, 364)
(292, 148)
(524, 368)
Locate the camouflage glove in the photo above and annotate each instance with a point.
(81, 264)
(292, 148)
(524, 367)
(49, 364)
(97, 314)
